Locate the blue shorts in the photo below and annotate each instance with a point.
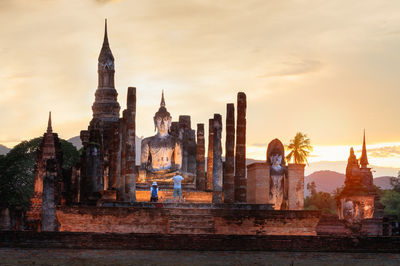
(177, 192)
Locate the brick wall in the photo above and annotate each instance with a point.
(112, 220)
(296, 186)
(258, 183)
(331, 225)
(266, 222)
(234, 221)
(198, 242)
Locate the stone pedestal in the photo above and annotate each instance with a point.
(296, 186)
(258, 183)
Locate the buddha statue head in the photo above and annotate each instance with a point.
(162, 119)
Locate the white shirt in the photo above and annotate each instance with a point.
(177, 181)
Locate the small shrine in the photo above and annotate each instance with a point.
(357, 199)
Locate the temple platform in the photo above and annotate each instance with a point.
(167, 195)
(165, 186)
(62, 244)
(186, 218)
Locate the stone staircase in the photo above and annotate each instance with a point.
(191, 221)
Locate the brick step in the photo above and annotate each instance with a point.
(191, 225)
(191, 231)
(191, 217)
(191, 220)
(191, 212)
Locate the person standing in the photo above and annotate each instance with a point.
(178, 185)
(154, 192)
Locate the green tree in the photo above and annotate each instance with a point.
(17, 170)
(319, 200)
(312, 187)
(395, 182)
(300, 148)
(391, 200)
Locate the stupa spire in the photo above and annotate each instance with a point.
(162, 104)
(364, 159)
(49, 128)
(105, 42)
(105, 53)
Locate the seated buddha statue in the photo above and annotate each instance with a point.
(161, 154)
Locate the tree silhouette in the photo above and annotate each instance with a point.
(17, 170)
(300, 148)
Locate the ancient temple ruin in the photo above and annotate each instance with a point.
(357, 199)
(108, 193)
(48, 184)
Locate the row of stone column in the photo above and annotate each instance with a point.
(226, 180)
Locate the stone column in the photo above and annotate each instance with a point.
(114, 161)
(258, 175)
(229, 166)
(184, 128)
(192, 148)
(121, 157)
(296, 186)
(49, 218)
(209, 183)
(240, 157)
(200, 160)
(130, 151)
(217, 160)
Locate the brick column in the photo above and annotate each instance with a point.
(200, 159)
(130, 150)
(209, 184)
(296, 186)
(240, 156)
(217, 160)
(229, 166)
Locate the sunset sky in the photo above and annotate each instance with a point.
(325, 68)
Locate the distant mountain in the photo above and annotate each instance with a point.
(328, 181)
(76, 141)
(383, 182)
(340, 167)
(4, 150)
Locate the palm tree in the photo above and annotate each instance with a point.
(299, 148)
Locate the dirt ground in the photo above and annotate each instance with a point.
(18, 256)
